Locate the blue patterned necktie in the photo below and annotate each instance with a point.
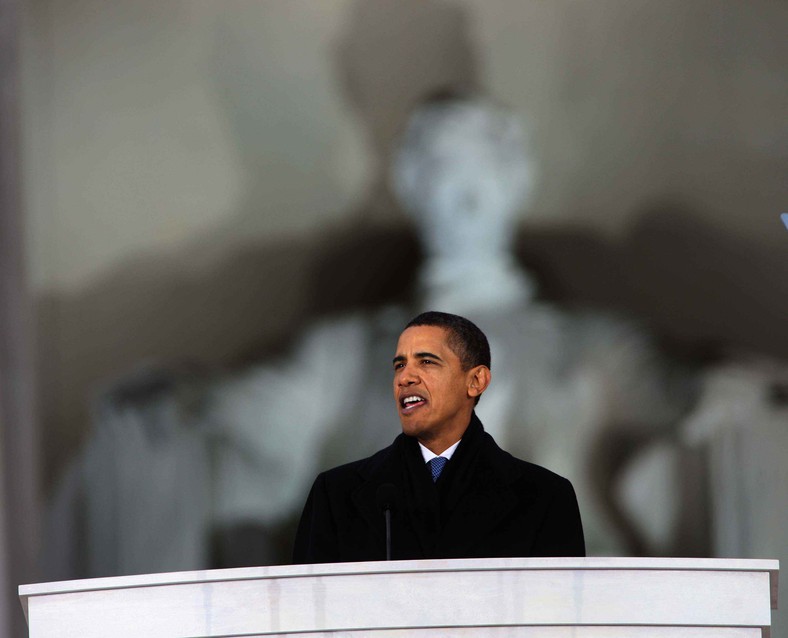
(436, 466)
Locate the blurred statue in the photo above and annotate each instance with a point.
(741, 424)
(462, 174)
(137, 499)
(737, 434)
(566, 383)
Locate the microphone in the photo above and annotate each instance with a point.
(386, 498)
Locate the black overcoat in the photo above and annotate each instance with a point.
(485, 504)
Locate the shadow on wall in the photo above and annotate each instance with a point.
(254, 298)
(246, 307)
(702, 290)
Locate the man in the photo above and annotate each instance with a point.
(480, 502)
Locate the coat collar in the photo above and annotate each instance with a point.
(478, 493)
(416, 513)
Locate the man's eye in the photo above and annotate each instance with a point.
(427, 361)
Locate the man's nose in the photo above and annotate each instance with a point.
(408, 376)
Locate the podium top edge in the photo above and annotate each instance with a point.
(403, 566)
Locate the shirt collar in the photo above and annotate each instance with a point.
(428, 454)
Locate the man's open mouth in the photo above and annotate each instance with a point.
(411, 402)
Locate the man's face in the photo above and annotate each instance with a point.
(430, 386)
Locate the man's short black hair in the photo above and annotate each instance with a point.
(465, 338)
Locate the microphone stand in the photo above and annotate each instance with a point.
(387, 514)
(386, 499)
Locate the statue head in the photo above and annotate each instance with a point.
(462, 172)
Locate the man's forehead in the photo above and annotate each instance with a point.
(418, 338)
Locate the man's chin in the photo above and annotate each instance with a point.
(410, 427)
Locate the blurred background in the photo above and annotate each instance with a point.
(192, 190)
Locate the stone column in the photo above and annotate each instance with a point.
(19, 471)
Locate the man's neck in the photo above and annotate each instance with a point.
(444, 440)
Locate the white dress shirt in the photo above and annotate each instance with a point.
(429, 454)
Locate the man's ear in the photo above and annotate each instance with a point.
(478, 380)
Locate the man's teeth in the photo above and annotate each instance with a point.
(408, 400)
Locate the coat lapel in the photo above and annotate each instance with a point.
(476, 515)
(481, 495)
(416, 514)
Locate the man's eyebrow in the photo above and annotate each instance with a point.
(427, 355)
(419, 355)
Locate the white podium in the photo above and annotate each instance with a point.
(545, 597)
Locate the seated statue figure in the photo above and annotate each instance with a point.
(568, 382)
(564, 380)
